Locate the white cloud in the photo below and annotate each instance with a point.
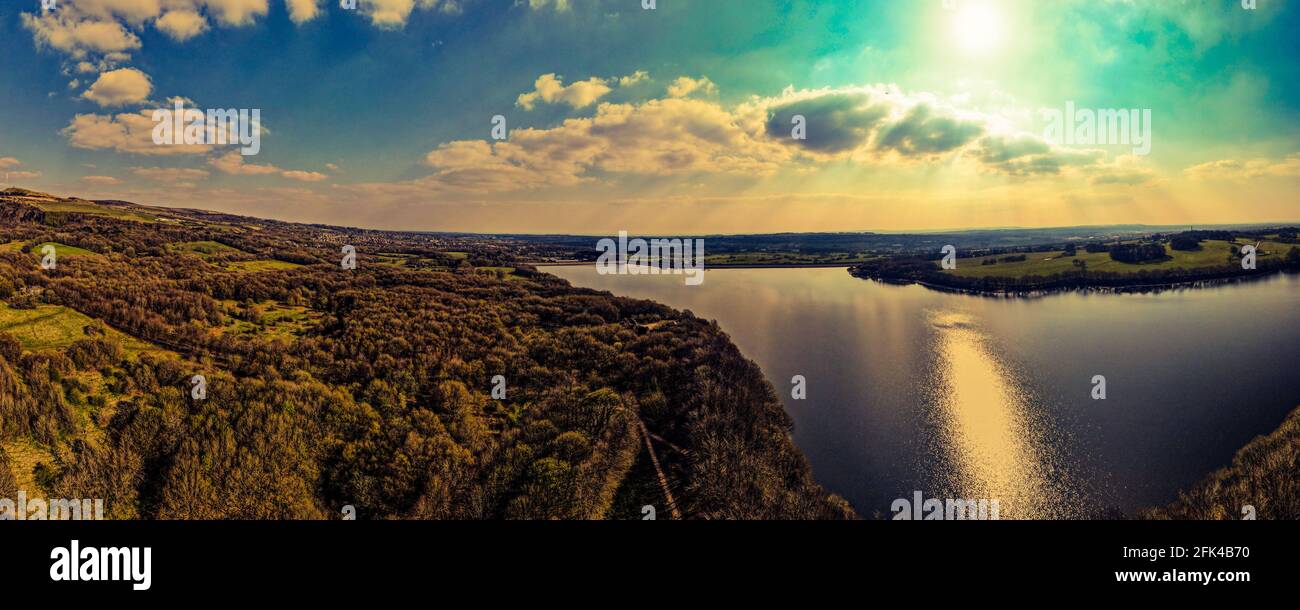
(101, 180)
(128, 132)
(1232, 169)
(181, 25)
(134, 12)
(67, 31)
(236, 12)
(634, 78)
(390, 14)
(119, 87)
(303, 176)
(99, 34)
(9, 169)
(685, 136)
(550, 89)
(170, 174)
(659, 137)
(685, 85)
(234, 164)
(302, 11)
(560, 5)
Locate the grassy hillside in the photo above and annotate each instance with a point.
(60, 250)
(1213, 253)
(262, 265)
(86, 207)
(52, 327)
(205, 249)
(1128, 264)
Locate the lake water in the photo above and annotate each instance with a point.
(962, 396)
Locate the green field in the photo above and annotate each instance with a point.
(205, 249)
(24, 454)
(506, 273)
(262, 265)
(86, 207)
(1213, 253)
(269, 319)
(787, 258)
(392, 259)
(61, 250)
(54, 327)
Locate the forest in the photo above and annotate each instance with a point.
(439, 379)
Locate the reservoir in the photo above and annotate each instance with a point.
(964, 396)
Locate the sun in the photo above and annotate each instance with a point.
(976, 27)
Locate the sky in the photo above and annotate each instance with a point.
(694, 117)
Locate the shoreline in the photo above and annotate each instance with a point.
(708, 266)
(1259, 473)
(1205, 282)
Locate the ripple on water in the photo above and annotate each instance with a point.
(991, 441)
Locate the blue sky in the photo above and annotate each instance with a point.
(381, 116)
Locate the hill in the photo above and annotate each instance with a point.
(377, 387)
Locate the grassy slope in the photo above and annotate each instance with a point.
(23, 456)
(1213, 253)
(86, 207)
(262, 265)
(205, 249)
(787, 258)
(54, 327)
(1262, 475)
(61, 250)
(278, 321)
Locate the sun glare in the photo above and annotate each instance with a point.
(976, 27)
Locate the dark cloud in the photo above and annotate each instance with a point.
(922, 133)
(1030, 156)
(836, 122)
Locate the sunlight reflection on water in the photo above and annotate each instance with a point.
(988, 429)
